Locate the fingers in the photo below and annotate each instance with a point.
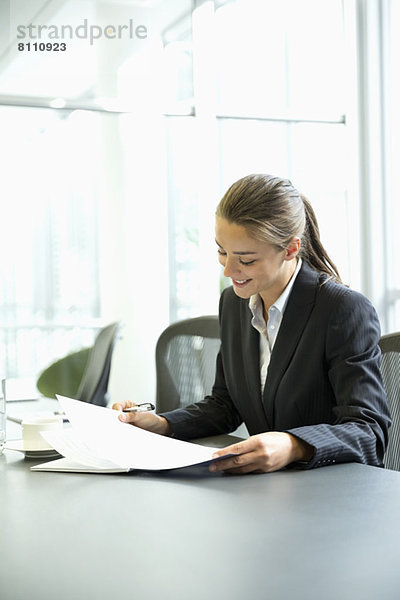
(243, 463)
(245, 470)
(247, 463)
(125, 417)
(123, 405)
(146, 420)
(128, 417)
(135, 418)
(235, 463)
(238, 448)
(256, 454)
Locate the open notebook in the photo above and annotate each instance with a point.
(97, 442)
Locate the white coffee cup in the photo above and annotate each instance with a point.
(31, 431)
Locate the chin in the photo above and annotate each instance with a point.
(242, 292)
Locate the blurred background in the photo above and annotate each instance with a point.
(115, 152)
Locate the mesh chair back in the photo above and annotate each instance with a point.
(390, 368)
(186, 355)
(94, 385)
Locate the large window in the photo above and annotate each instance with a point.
(269, 95)
(49, 280)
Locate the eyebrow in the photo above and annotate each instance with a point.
(239, 253)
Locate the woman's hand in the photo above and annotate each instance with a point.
(263, 453)
(144, 420)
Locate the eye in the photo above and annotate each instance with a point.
(221, 252)
(250, 262)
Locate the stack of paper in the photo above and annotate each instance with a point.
(98, 441)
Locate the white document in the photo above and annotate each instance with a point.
(98, 441)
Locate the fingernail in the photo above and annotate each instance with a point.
(122, 417)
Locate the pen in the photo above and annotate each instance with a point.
(145, 407)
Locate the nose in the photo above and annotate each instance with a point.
(230, 268)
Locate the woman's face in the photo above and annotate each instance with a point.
(254, 266)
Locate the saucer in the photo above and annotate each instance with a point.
(31, 452)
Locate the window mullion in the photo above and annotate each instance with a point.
(371, 152)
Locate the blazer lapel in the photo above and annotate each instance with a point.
(300, 304)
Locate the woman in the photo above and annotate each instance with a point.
(299, 359)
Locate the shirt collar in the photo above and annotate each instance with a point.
(255, 303)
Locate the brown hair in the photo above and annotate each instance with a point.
(273, 211)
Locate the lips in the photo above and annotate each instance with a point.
(240, 282)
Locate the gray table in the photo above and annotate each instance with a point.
(330, 533)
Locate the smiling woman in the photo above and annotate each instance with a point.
(299, 358)
(266, 273)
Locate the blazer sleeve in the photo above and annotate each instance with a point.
(359, 431)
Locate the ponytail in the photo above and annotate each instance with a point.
(272, 210)
(312, 249)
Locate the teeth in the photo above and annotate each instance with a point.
(243, 281)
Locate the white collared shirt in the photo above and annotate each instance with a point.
(269, 331)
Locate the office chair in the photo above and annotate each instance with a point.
(390, 369)
(185, 362)
(83, 375)
(94, 384)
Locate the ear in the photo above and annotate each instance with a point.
(293, 248)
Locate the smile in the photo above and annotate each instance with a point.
(240, 283)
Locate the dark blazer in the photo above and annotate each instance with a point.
(323, 384)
